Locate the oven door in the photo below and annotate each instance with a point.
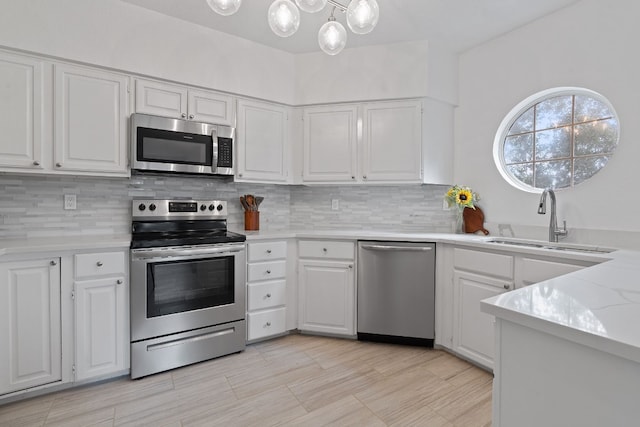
(179, 289)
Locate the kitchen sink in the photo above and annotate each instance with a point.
(551, 246)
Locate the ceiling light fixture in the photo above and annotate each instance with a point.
(284, 18)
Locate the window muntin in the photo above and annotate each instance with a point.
(556, 139)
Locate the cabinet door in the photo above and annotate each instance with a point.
(30, 354)
(161, 99)
(21, 111)
(473, 335)
(327, 297)
(330, 143)
(262, 142)
(392, 141)
(101, 332)
(90, 120)
(210, 107)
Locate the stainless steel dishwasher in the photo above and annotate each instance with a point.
(396, 292)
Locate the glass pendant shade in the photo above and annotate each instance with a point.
(224, 7)
(332, 37)
(284, 18)
(311, 6)
(362, 16)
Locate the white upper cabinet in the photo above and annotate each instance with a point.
(330, 143)
(21, 111)
(90, 120)
(375, 142)
(262, 142)
(182, 102)
(392, 141)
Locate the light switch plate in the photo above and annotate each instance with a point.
(69, 202)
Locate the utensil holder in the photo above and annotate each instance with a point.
(251, 220)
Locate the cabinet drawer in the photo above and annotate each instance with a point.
(537, 270)
(266, 270)
(265, 251)
(99, 264)
(497, 265)
(266, 295)
(266, 323)
(326, 249)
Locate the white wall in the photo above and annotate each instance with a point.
(399, 70)
(115, 34)
(592, 44)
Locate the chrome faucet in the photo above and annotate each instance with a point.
(554, 231)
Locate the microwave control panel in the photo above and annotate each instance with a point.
(225, 153)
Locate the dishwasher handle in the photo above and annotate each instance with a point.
(398, 248)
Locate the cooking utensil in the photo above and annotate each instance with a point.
(251, 201)
(244, 203)
(259, 200)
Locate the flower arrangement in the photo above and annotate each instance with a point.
(461, 197)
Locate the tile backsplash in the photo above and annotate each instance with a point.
(32, 206)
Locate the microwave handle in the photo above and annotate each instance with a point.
(214, 149)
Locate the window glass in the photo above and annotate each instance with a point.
(556, 139)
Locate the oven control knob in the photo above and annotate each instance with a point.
(212, 207)
(220, 207)
(203, 207)
(152, 207)
(142, 207)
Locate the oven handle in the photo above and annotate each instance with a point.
(149, 254)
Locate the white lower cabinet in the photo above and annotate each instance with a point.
(327, 288)
(101, 314)
(266, 289)
(30, 324)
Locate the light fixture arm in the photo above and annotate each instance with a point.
(337, 5)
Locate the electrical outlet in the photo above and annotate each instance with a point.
(335, 204)
(69, 201)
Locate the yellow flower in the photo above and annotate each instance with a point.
(464, 197)
(451, 193)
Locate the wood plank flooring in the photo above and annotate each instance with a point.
(297, 380)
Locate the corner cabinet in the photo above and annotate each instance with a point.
(262, 145)
(326, 281)
(182, 102)
(377, 142)
(30, 324)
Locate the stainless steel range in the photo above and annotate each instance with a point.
(187, 285)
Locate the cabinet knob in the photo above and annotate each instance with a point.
(53, 263)
(268, 271)
(240, 175)
(268, 251)
(268, 295)
(266, 325)
(507, 286)
(119, 281)
(353, 177)
(364, 176)
(183, 115)
(99, 263)
(191, 116)
(36, 163)
(324, 250)
(58, 165)
(350, 266)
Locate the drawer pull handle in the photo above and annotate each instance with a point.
(268, 251)
(268, 271)
(266, 325)
(268, 295)
(119, 281)
(99, 264)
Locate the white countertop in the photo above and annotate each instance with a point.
(598, 306)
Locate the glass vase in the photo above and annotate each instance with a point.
(459, 222)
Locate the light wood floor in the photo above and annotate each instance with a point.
(295, 380)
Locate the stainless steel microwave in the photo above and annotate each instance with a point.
(163, 144)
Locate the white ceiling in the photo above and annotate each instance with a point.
(458, 24)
